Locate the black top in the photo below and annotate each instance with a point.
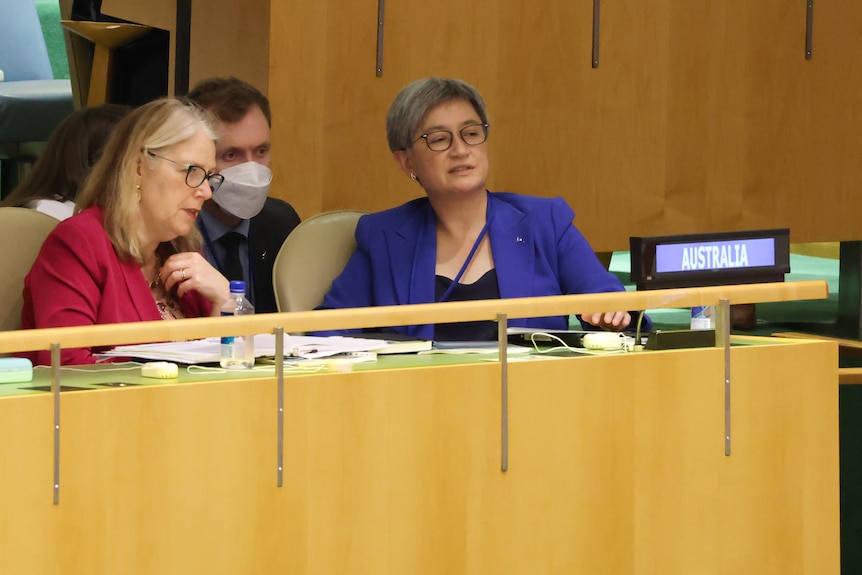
(484, 288)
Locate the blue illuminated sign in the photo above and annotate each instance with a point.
(714, 258)
(748, 253)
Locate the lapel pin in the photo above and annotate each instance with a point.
(519, 239)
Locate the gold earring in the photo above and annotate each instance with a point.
(138, 193)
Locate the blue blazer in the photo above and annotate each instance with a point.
(537, 252)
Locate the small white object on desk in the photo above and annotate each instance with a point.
(604, 340)
(160, 370)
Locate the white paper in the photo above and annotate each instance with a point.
(209, 350)
(470, 347)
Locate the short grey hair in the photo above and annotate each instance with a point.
(416, 98)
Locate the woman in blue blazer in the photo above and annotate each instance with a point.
(462, 242)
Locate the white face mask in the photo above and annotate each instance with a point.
(243, 191)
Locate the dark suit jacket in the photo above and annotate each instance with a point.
(537, 252)
(267, 231)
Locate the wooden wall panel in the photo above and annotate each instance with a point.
(701, 116)
(329, 139)
(592, 135)
(296, 93)
(781, 164)
(230, 39)
(805, 120)
(704, 119)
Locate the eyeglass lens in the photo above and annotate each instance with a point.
(195, 175)
(215, 182)
(441, 140)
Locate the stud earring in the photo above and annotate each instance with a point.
(413, 176)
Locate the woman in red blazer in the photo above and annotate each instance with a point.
(132, 251)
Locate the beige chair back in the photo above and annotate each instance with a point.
(22, 232)
(311, 257)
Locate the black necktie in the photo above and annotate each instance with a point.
(232, 264)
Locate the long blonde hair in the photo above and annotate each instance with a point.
(112, 183)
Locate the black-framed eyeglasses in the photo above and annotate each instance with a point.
(441, 140)
(195, 175)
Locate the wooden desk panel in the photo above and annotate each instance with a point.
(617, 465)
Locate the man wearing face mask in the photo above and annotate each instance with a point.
(242, 227)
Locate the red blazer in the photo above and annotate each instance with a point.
(78, 279)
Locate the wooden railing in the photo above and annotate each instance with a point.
(187, 329)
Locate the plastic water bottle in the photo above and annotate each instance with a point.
(703, 317)
(237, 352)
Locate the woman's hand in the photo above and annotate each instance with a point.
(610, 320)
(191, 271)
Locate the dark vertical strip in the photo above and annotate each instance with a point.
(849, 322)
(182, 53)
(596, 9)
(809, 24)
(850, 472)
(381, 13)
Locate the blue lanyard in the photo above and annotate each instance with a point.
(466, 262)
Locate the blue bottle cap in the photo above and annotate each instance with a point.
(237, 286)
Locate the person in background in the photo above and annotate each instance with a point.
(460, 241)
(242, 227)
(131, 253)
(53, 182)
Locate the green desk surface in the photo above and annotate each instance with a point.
(119, 375)
(94, 377)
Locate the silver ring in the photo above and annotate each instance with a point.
(183, 274)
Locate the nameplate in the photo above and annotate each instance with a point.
(694, 260)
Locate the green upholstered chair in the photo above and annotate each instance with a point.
(311, 257)
(22, 232)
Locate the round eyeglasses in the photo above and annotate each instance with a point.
(441, 140)
(195, 175)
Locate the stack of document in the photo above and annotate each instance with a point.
(398, 343)
(209, 350)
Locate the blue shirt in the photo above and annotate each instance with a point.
(212, 231)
